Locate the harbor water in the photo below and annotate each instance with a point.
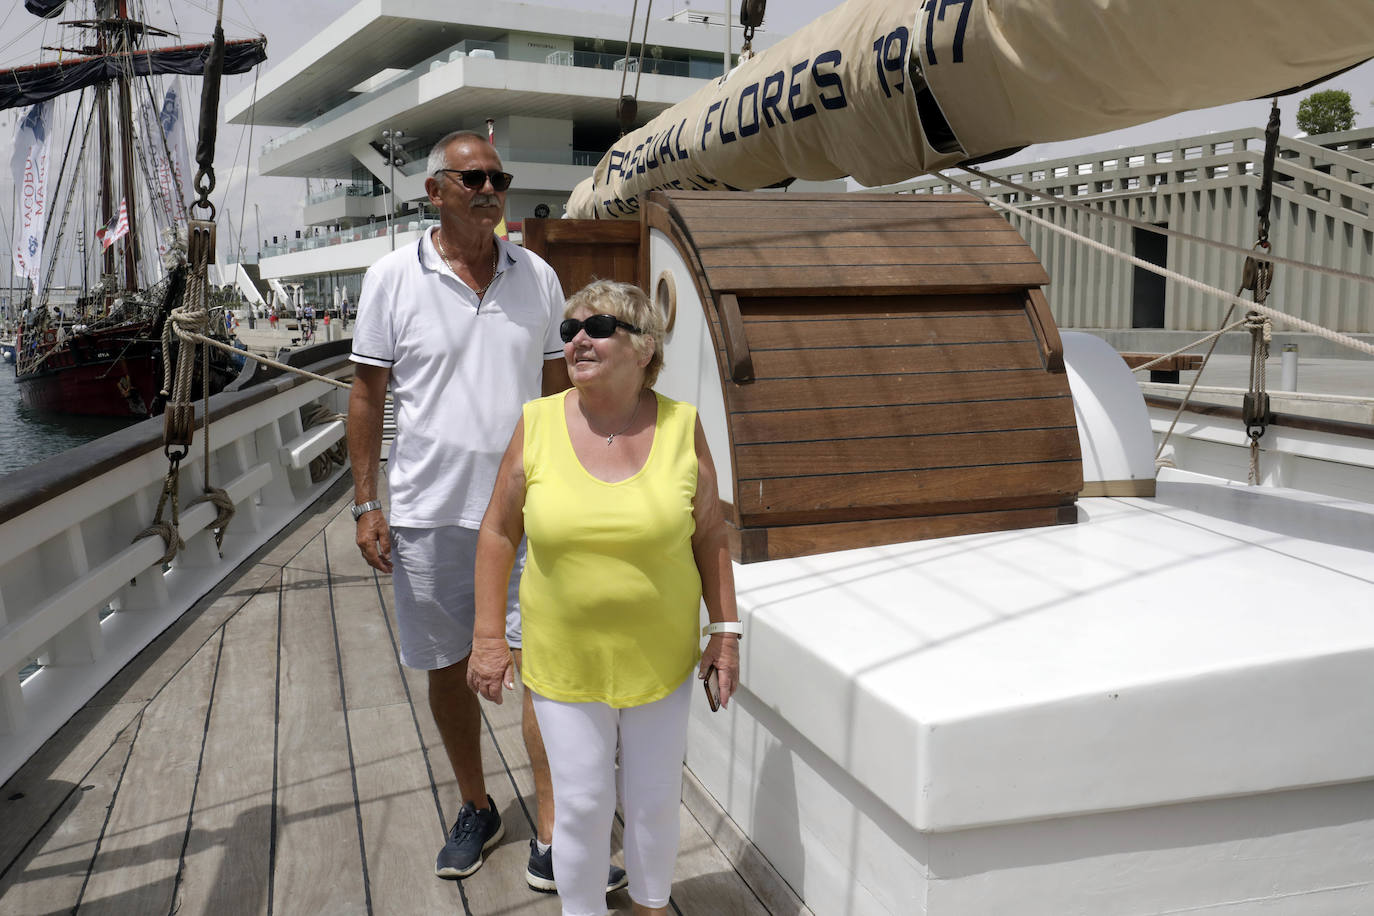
(30, 436)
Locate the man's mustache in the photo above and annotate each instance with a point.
(486, 200)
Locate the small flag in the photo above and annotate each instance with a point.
(491, 138)
(117, 228)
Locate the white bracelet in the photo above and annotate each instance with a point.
(724, 626)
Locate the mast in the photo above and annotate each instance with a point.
(124, 45)
(102, 101)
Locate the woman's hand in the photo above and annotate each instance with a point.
(490, 666)
(722, 651)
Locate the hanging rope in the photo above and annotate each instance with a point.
(1258, 276)
(190, 321)
(628, 107)
(167, 529)
(323, 463)
(643, 37)
(1256, 408)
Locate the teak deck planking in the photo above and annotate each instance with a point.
(269, 754)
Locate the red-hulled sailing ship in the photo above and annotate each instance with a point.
(103, 356)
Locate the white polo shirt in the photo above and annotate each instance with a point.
(460, 372)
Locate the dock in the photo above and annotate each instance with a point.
(268, 753)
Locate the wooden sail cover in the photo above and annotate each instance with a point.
(888, 365)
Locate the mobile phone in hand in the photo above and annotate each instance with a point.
(711, 684)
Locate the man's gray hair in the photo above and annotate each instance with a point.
(438, 155)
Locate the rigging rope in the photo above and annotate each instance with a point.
(67, 207)
(643, 36)
(1158, 230)
(1187, 395)
(1299, 323)
(628, 107)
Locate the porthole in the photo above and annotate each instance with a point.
(665, 297)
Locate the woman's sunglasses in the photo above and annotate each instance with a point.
(475, 178)
(595, 326)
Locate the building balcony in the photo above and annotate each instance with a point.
(462, 86)
(347, 204)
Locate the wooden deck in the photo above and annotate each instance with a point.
(269, 754)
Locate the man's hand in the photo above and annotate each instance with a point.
(374, 540)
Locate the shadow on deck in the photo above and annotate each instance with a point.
(269, 753)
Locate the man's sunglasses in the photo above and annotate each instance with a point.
(595, 326)
(475, 178)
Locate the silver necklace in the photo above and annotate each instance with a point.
(611, 437)
(495, 254)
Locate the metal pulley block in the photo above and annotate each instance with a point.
(626, 110)
(200, 242)
(178, 427)
(1255, 413)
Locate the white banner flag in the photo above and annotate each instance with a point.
(174, 129)
(165, 149)
(30, 168)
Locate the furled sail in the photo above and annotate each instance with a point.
(45, 8)
(882, 90)
(30, 85)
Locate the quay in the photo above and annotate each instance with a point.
(265, 340)
(269, 754)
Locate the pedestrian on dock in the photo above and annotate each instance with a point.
(614, 486)
(464, 328)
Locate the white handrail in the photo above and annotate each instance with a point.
(83, 597)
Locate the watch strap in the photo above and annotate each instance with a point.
(360, 510)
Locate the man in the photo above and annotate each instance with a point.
(464, 328)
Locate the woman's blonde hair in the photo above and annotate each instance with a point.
(630, 304)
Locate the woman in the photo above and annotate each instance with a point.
(614, 486)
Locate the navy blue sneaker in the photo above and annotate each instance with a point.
(539, 872)
(472, 835)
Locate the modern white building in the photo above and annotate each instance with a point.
(548, 78)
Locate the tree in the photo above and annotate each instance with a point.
(1326, 112)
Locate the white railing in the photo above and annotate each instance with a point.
(1331, 458)
(80, 597)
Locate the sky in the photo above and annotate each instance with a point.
(289, 24)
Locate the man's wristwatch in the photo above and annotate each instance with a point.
(360, 510)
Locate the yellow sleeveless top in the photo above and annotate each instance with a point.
(611, 594)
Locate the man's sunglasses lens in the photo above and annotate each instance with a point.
(596, 325)
(475, 178)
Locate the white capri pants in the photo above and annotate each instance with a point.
(580, 740)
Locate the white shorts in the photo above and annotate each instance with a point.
(433, 581)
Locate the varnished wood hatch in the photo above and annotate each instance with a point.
(889, 366)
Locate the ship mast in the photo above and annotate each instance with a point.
(124, 40)
(116, 35)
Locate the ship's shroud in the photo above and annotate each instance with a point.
(881, 90)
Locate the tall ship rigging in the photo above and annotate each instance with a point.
(116, 211)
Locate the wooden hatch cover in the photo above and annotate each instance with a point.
(889, 366)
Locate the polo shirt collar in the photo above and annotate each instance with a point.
(430, 258)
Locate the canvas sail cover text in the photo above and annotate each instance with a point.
(881, 90)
